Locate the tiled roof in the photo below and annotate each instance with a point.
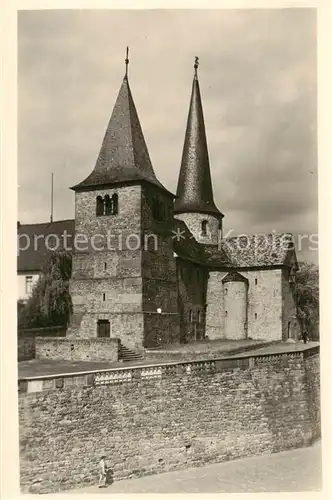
(123, 156)
(257, 250)
(194, 191)
(33, 243)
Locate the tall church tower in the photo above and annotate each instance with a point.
(124, 274)
(194, 204)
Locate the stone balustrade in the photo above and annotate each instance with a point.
(125, 375)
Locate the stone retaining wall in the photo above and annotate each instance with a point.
(26, 340)
(98, 349)
(158, 418)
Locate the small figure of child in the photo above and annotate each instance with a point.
(102, 473)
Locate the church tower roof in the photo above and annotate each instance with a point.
(123, 156)
(194, 191)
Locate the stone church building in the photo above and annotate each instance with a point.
(152, 268)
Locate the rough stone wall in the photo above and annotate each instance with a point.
(77, 349)
(194, 223)
(312, 374)
(215, 315)
(158, 271)
(133, 276)
(236, 308)
(26, 340)
(264, 311)
(26, 347)
(182, 418)
(192, 283)
(264, 304)
(290, 323)
(106, 276)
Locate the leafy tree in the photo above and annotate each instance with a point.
(50, 303)
(306, 292)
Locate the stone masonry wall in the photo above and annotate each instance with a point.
(148, 420)
(264, 313)
(194, 223)
(106, 275)
(264, 304)
(77, 349)
(290, 323)
(312, 373)
(192, 282)
(159, 270)
(26, 340)
(26, 347)
(215, 316)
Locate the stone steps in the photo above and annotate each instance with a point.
(126, 354)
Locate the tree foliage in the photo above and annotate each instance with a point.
(306, 294)
(50, 303)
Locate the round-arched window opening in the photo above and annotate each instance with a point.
(204, 228)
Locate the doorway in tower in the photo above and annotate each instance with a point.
(103, 328)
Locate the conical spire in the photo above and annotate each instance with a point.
(123, 156)
(194, 192)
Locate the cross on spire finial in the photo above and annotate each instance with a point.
(127, 60)
(196, 65)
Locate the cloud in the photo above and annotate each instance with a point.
(258, 82)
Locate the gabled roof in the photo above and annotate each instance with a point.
(233, 277)
(194, 191)
(34, 244)
(123, 156)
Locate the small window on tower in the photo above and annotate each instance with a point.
(28, 284)
(226, 314)
(226, 291)
(204, 227)
(108, 205)
(104, 297)
(99, 206)
(255, 281)
(115, 204)
(255, 315)
(105, 266)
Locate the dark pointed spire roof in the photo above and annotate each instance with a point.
(123, 156)
(194, 191)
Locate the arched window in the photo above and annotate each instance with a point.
(99, 206)
(115, 204)
(107, 205)
(204, 227)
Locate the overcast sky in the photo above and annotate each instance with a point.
(258, 83)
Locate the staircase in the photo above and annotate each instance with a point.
(126, 354)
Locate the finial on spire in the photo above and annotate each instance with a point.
(127, 61)
(196, 65)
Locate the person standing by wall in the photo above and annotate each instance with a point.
(102, 472)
